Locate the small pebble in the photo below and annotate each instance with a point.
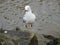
(5, 31)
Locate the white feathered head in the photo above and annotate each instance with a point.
(27, 8)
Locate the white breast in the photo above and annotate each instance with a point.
(29, 17)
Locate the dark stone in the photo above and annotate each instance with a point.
(24, 21)
(42, 19)
(33, 41)
(1, 30)
(17, 28)
(48, 36)
(0, 43)
(53, 40)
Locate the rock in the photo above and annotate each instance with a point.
(27, 37)
(16, 37)
(53, 40)
(24, 37)
(33, 41)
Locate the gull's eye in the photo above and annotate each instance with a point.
(26, 10)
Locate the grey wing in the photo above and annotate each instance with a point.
(24, 19)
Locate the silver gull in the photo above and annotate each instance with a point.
(29, 17)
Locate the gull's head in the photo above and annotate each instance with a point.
(27, 8)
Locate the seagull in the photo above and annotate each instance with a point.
(29, 17)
